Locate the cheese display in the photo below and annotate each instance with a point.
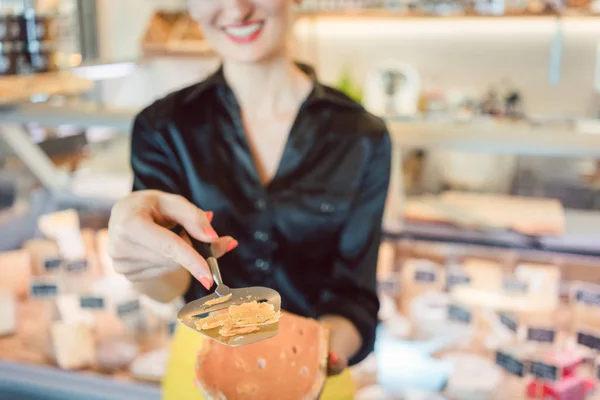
(291, 365)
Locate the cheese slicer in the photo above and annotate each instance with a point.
(219, 302)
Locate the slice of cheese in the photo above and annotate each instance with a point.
(73, 346)
(15, 272)
(8, 314)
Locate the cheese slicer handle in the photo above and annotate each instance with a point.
(206, 251)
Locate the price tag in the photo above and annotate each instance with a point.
(388, 286)
(128, 309)
(457, 278)
(588, 340)
(44, 290)
(91, 303)
(589, 297)
(459, 314)
(541, 335)
(510, 321)
(52, 264)
(77, 266)
(425, 275)
(514, 285)
(510, 364)
(544, 371)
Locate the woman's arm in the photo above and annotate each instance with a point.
(142, 243)
(349, 302)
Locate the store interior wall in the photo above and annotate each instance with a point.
(451, 54)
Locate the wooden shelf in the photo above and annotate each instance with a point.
(391, 14)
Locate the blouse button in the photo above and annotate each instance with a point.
(260, 204)
(261, 236)
(327, 207)
(262, 265)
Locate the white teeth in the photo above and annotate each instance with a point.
(243, 31)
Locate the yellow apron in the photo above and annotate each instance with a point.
(178, 383)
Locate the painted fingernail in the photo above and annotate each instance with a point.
(232, 245)
(209, 216)
(334, 358)
(205, 282)
(210, 232)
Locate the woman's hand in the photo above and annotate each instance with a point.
(143, 247)
(344, 342)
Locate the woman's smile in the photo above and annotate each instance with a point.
(244, 32)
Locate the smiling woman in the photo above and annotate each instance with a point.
(227, 24)
(284, 176)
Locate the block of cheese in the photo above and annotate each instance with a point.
(485, 274)
(419, 276)
(290, 365)
(473, 377)
(8, 314)
(70, 311)
(64, 228)
(102, 240)
(15, 272)
(116, 354)
(45, 257)
(94, 265)
(386, 260)
(543, 284)
(73, 345)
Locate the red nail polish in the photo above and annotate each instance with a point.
(209, 216)
(210, 232)
(205, 282)
(334, 358)
(232, 245)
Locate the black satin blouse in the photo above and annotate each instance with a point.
(313, 233)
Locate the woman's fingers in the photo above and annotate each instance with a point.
(224, 245)
(195, 221)
(336, 364)
(171, 247)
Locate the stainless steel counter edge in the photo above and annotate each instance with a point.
(83, 115)
(23, 382)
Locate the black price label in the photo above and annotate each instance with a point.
(129, 308)
(514, 285)
(52, 264)
(388, 286)
(459, 314)
(457, 278)
(77, 266)
(510, 364)
(541, 335)
(510, 321)
(589, 297)
(91, 303)
(44, 290)
(424, 275)
(587, 340)
(544, 371)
